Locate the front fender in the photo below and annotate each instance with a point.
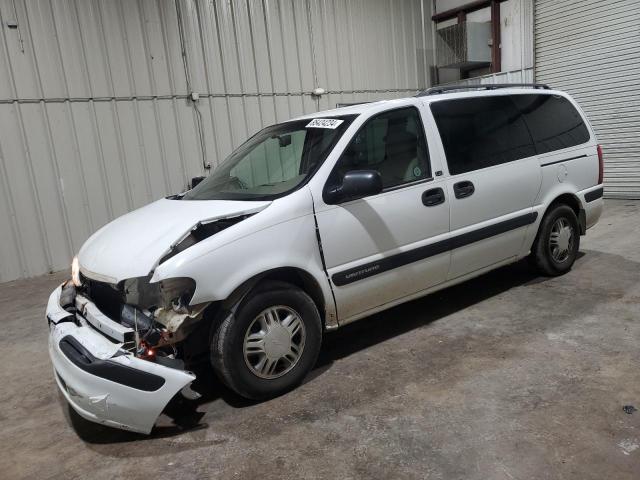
(220, 271)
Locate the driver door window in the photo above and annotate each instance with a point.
(393, 143)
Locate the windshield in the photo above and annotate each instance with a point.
(273, 162)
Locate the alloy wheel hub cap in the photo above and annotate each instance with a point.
(277, 342)
(561, 240)
(274, 342)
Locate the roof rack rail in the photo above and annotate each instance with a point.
(349, 104)
(485, 86)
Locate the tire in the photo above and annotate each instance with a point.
(237, 354)
(555, 256)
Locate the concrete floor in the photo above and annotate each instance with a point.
(509, 376)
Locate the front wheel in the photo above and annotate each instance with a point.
(556, 246)
(271, 342)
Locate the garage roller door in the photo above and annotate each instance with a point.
(591, 49)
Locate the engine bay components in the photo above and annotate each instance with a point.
(156, 315)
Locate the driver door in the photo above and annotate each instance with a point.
(382, 248)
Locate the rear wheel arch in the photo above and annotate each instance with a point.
(571, 200)
(559, 231)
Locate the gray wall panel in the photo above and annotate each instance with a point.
(95, 118)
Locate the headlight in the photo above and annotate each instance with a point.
(75, 272)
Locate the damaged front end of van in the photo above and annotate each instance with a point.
(117, 329)
(118, 372)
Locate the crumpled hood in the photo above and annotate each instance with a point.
(131, 245)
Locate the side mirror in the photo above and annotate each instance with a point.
(355, 184)
(196, 180)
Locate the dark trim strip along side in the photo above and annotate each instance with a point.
(404, 258)
(564, 160)
(594, 195)
(115, 372)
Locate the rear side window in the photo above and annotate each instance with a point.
(553, 121)
(481, 132)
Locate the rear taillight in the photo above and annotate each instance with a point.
(600, 166)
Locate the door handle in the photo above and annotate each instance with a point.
(432, 197)
(463, 189)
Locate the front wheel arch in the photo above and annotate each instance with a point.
(293, 275)
(228, 357)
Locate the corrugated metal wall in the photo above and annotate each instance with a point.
(95, 118)
(591, 49)
(517, 76)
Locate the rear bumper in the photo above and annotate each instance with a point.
(102, 382)
(593, 204)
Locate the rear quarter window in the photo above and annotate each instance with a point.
(553, 121)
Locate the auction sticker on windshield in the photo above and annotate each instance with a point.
(324, 123)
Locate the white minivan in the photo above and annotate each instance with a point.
(314, 223)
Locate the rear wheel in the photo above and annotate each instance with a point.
(556, 246)
(271, 342)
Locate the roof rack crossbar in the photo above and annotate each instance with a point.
(485, 86)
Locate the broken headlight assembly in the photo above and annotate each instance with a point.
(159, 313)
(166, 303)
(143, 294)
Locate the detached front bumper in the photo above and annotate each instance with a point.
(103, 382)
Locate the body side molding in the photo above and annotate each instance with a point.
(404, 258)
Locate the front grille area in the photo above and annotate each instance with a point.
(107, 297)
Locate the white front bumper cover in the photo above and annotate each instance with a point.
(102, 382)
